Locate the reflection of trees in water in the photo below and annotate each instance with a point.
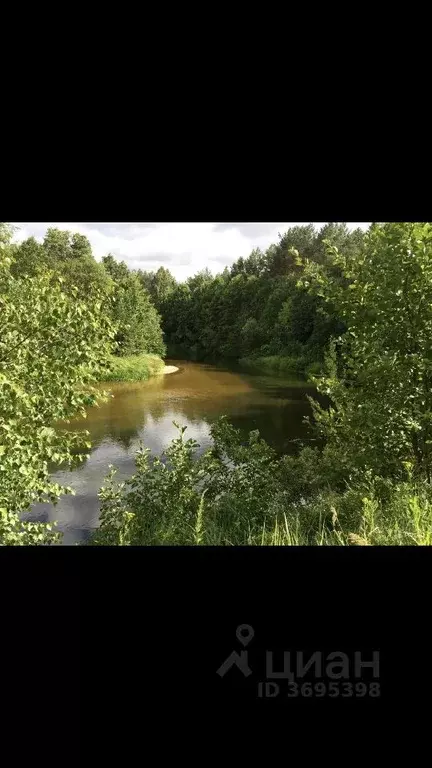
(125, 438)
(124, 422)
(277, 413)
(279, 427)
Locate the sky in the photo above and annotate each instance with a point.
(183, 247)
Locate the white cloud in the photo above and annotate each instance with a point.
(184, 248)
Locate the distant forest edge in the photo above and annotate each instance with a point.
(257, 311)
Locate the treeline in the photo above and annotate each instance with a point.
(256, 308)
(122, 295)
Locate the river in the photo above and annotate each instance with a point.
(194, 396)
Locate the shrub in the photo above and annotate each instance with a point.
(240, 493)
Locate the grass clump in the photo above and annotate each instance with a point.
(133, 368)
(351, 519)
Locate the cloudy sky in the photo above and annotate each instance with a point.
(184, 248)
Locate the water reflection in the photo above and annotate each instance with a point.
(195, 396)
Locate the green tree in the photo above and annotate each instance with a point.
(147, 280)
(338, 235)
(380, 373)
(160, 286)
(52, 347)
(279, 258)
(57, 245)
(137, 321)
(251, 335)
(30, 258)
(80, 247)
(257, 308)
(65, 254)
(117, 270)
(199, 280)
(6, 233)
(163, 286)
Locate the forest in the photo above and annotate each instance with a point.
(254, 311)
(351, 311)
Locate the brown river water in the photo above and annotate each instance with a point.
(194, 396)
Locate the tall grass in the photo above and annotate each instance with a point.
(134, 368)
(404, 520)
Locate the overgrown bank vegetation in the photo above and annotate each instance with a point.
(237, 494)
(281, 364)
(133, 368)
(355, 307)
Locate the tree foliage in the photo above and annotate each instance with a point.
(52, 347)
(159, 284)
(137, 321)
(255, 308)
(380, 372)
(66, 254)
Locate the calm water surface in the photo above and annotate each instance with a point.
(194, 396)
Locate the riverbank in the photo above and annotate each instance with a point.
(269, 364)
(134, 368)
(281, 364)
